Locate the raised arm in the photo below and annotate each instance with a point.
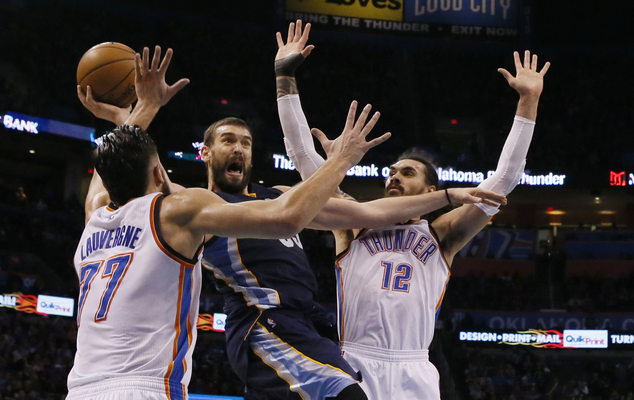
(199, 211)
(457, 227)
(298, 140)
(153, 93)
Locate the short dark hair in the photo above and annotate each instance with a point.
(210, 133)
(122, 160)
(420, 155)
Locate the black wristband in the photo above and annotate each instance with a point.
(287, 65)
(448, 199)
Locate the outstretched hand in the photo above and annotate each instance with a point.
(527, 80)
(151, 87)
(475, 195)
(351, 144)
(295, 42)
(108, 112)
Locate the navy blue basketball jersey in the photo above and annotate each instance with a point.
(262, 273)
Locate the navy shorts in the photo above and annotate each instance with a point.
(287, 359)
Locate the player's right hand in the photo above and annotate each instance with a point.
(108, 112)
(475, 195)
(351, 144)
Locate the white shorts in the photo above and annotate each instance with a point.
(129, 388)
(394, 374)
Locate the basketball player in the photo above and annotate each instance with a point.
(137, 259)
(391, 280)
(274, 324)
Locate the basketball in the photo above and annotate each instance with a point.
(108, 68)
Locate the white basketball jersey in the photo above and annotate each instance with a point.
(138, 300)
(391, 282)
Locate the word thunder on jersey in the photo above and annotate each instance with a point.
(137, 305)
(391, 282)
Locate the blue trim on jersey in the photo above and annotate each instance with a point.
(339, 302)
(176, 378)
(312, 379)
(236, 272)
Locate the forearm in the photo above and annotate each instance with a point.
(298, 139)
(301, 203)
(286, 85)
(344, 214)
(527, 107)
(513, 157)
(143, 114)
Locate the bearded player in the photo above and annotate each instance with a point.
(391, 280)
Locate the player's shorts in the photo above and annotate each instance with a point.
(128, 388)
(287, 359)
(394, 374)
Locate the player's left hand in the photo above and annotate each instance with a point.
(527, 80)
(291, 54)
(150, 84)
(475, 195)
(108, 112)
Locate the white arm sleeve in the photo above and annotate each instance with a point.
(511, 164)
(298, 140)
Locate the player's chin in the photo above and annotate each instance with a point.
(394, 192)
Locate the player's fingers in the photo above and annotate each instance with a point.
(89, 97)
(156, 58)
(305, 33)
(298, 30)
(166, 61)
(280, 41)
(137, 66)
(179, 85)
(146, 59)
(516, 59)
(291, 32)
(370, 125)
(505, 73)
(363, 117)
(307, 50)
(352, 111)
(320, 136)
(527, 59)
(545, 68)
(534, 63)
(377, 141)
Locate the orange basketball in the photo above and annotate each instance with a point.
(108, 68)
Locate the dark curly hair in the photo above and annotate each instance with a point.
(122, 160)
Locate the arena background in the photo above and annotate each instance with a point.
(557, 263)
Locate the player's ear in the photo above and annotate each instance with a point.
(205, 153)
(158, 174)
(431, 188)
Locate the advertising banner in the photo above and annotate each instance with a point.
(499, 13)
(389, 10)
(501, 244)
(550, 339)
(471, 19)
